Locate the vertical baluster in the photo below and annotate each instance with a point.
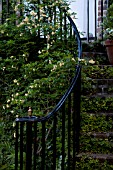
(54, 142)
(29, 146)
(35, 146)
(7, 10)
(70, 31)
(21, 1)
(95, 10)
(87, 20)
(102, 19)
(65, 27)
(74, 130)
(60, 23)
(21, 145)
(78, 98)
(16, 145)
(54, 19)
(38, 17)
(69, 130)
(45, 8)
(76, 119)
(63, 137)
(43, 146)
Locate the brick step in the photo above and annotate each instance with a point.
(99, 156)
(103, 95)
(99, 87)
(99, 65)
(85, 53)
(102, 135)
(98, 71)
(96, 122)
(107, 114)
(98, 95)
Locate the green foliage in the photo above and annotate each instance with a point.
(93, 117)
(36, 66)
(88, 163)
(108, 23)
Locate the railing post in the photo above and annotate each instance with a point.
(29, 145)
(16, 146)
(76, 118)
(102, 19)
(87, 20)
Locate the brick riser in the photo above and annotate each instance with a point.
(97, 126)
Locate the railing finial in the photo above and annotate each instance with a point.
(30, 112)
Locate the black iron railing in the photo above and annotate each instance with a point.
(99, 9)
(52, 142)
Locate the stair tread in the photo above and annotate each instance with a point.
(102, 95)
(108, 156)
(102, 134)
(98, 95)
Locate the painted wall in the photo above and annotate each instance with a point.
(80, 7)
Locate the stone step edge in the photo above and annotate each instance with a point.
(98, 95)
(100, 79)
(99, 65)
(102, 135)
(110, 114)
(99, 156)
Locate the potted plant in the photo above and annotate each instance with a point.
(108, 33)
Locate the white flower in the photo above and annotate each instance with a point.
(14, 122)
(82, 60)
(2, 32)
(4, 107)
(26, 94)
(49, 18)
(17, 94)
(61, 64)
(21, 34)
(12, 111)
(26, 19)
(53, 33)
(73, 59)
(19, 25)
(8, 101)
(39, 52)
(15, 81)
(14, 135)
(43, 15)
(35, 85)
(7, 106)
(91, 61)
(54, 67)
(12, 57)
(50, 62)
(31, 87)
(22, 101)
(33, 13)
(3, 68)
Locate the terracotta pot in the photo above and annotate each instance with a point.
(109, 48)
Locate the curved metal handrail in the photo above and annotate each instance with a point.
(74, 80)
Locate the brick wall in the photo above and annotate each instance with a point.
(99, 21)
